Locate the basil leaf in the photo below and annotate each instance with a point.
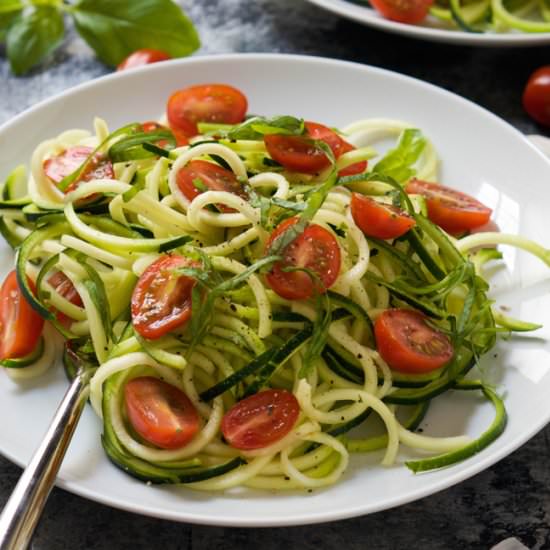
(131, 146)
(319, 336)
(257, 127)
(398, 162)
(32, 36)
(9, 10)
(116, 29)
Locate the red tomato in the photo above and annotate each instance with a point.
(205, 103)
(260, 420)
(20, 325)
(452, 210)
(338, 146)
(536, 96)
(408, 344)
(181, 138)
(296, 153)
(143, 57)
(65, 288)
(59, 167)
(375, 219)
(160, 413)
(199, 173)
(161, 300)
(403, 11)
(315, 249)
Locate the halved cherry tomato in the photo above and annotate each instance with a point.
(65, 288)
(205, 103)
(142, 57)
(198, 176)
(452, 210)
(315, 249)
(20, 325)
(296, 153)
(260, 420)
(161, 300)
(536, 96)
(379, 220)
(403, 11)
(160, 413)
(408, 344)
(338, 145)
(59, 167)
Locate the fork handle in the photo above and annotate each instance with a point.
(24, 507)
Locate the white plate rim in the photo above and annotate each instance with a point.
(368, 16)
(304, 518)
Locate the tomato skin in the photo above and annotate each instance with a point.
(453, 211)
(403, 11)
(59, 167)
(408, 344)
(536, 96)
(65, 288)
(296, 153)
(205, 103)
(260, 420)
(213, 176)
(160, 413)
(20, 325)
(338, 145)
(142, 57)
(315, 249)
(375, 219)
(161, 301)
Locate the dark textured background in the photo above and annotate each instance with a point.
(510, 499)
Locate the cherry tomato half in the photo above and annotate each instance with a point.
(59, 167)
(205, 103)
(315, 249)
(161, 300)
(20, 325)
(143, 57)
(536, 96)
(379, 220)
(296, 153)
(403, 11)
(198, 176)
(408, 344)
(160, 413)
(452, 210)
(63, 286)
(260, 420)
(338, 145)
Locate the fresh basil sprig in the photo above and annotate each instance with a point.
(398, 163)
(256, 128)
(113, 28)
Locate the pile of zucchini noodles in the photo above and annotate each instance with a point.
(491, 16)
(497, 16)
(254, 338)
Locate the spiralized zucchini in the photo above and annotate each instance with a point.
(104, 234)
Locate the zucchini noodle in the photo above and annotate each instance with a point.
(101, 232)
(488, 16)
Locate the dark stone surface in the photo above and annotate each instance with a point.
(510, 499)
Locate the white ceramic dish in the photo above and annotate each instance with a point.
(431, 29)
(481, 154)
